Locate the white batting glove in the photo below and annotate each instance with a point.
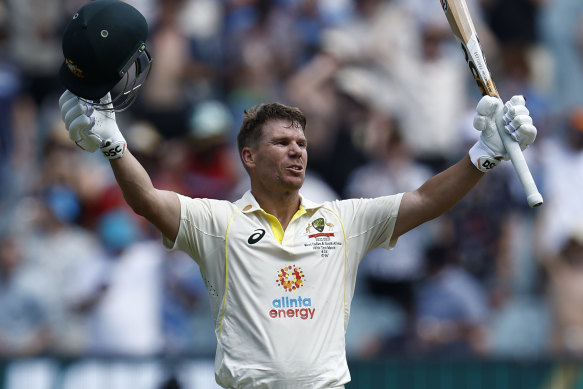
(489, 149)
(91, 129)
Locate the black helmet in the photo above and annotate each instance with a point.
(101, 43)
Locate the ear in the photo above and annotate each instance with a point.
(247, 157)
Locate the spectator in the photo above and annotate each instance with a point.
(558, 227)
(24, 326)
(183, 301)
(392, 170)
(561, 177)
(35, 44)
(451, 308)
(559, 27)
(55, 247)
(119, 291)
(165, 99)
(565, 290)
(383, 51)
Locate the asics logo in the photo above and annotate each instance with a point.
(256, 237)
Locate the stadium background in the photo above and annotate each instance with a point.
(487, 296)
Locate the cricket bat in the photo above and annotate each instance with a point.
(460, 21)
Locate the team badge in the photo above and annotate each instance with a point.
(74, 68)
(322, 227)
(319, 224)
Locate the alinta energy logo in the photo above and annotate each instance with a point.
(291, 278)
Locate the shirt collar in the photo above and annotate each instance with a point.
(248, 203)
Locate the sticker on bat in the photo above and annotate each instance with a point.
(476, 60)
(444, 5)
(478, 57)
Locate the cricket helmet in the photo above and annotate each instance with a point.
(104, 46)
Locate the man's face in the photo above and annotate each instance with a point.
(278, 160)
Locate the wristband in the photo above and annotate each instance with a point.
(114, 148)
(482, 157)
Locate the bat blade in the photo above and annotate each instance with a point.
(460, 21)
(462, 26)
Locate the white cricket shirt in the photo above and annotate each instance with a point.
(281, 301)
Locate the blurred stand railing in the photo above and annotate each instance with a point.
(466, 374)
(197, 373)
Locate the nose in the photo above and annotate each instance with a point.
(295, 149)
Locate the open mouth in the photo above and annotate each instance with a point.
(296, 168)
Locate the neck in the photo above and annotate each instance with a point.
(282, 206)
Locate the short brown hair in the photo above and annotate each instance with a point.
(255, 117)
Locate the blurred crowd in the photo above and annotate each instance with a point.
(389, 101)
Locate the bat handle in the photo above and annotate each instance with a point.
(533, 197)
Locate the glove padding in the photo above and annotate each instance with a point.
(489, 150)
(92, 129)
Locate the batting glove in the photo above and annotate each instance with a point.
(92, 129)
(513, 116)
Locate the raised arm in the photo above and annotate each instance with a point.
(436, 195)
(91, 130)
(444, 190)
(159, 207)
